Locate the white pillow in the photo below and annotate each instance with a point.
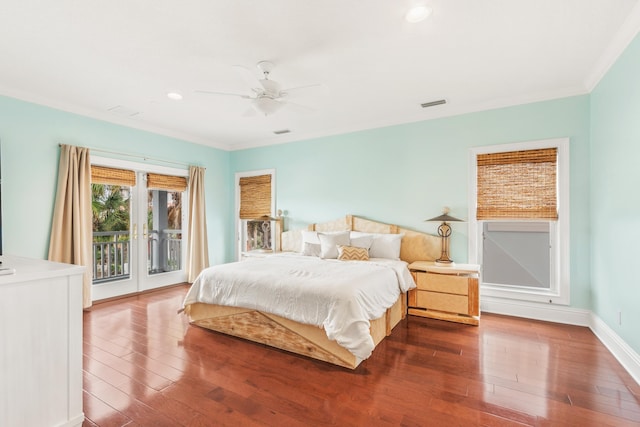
(329, 243)
(312, 237)
(311, 249)
(383, 245)
(363, 241)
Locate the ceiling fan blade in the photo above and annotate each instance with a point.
(250, 112)
(294, 90)
(248, 77)
(210, 92)
(299, 108)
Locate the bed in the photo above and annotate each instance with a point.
(364, 304)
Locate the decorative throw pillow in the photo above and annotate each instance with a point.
(311, 249)
(329, 243)
(352, 253)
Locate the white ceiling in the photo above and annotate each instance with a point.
(89, 56)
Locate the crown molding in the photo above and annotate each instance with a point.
(625, 35)
(108, 117)
(449, 110)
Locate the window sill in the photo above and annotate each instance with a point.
(523, 294)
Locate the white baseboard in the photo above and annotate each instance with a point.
(627, 357)
(74, 422)
(537, 311)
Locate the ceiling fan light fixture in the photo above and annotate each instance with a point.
(418, 13)
(270, 87)
(266, 105)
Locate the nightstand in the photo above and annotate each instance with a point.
(445, 293)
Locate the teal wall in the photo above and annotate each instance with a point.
(615, 197)
(404, 174)
(29, 136)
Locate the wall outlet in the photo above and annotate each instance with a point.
(619, 317)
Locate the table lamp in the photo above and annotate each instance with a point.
(444, 231)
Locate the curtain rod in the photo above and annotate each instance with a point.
(98, 150)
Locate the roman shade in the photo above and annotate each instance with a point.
(255, 196)
(112, 176)
(517, 185)
(166, 182)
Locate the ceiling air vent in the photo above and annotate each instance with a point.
(280, 132)
(433, 103)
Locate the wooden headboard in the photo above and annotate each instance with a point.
(416, 246)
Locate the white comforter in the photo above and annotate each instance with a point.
(340, 296)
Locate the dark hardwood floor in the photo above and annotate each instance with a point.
(144, 365)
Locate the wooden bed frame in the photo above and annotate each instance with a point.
(310, 340)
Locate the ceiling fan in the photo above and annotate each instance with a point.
(266, 96)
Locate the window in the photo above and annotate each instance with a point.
(255, 206)
(519, 220)
(111, 209)
(164, 222)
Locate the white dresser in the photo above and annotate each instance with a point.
(40, 344)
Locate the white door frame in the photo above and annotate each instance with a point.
(139, 279)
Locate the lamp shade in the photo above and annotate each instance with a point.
(445, 217)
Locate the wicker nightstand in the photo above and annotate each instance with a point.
(445, 293)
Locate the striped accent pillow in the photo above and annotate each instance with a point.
(352, 253)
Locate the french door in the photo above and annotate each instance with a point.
(147, 251)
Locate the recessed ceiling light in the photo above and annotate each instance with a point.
(417, 14)
(174, 95)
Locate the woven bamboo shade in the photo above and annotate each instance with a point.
(518, 185)
(112, 176)
(255, 196)
(166, 182)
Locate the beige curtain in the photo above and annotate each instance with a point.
(198, 249)
(71, 228)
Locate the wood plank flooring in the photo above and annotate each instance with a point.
(144, 365)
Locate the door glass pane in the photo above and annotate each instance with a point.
(110, 205)
(164, 225)
(517, 254)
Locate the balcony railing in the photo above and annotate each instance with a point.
(164, 251)
(112, 254)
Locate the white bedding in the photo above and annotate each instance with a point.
(340, 296)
